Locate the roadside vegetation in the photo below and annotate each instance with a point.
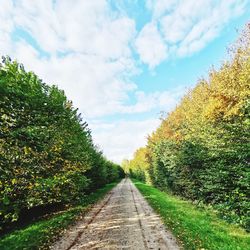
(194, 228)
(39, 234)
(48, 159)
(201, 150)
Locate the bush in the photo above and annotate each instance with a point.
(201, 149)
(47, 155)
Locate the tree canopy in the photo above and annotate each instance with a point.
(201, 150)
(47, 155)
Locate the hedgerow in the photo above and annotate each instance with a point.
(47, 156)
(201, 150)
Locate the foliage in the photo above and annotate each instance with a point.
(137, 167)
(201, 150)
(40, 234)
(47, 155)
(194, 228)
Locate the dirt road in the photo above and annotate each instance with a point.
(122, 220)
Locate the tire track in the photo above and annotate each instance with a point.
(122, 220)
(166, 238)
(139, 220)
(119, 190)
(88, 223)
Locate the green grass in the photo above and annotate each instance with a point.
(41, 233)
(195, 228)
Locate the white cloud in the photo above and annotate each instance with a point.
(192, 24)
(96, 86)
(160, 7)
(208, 25)
(94, 42)
(165, 101)
(88, 50)
(174, 28)
(88, 27)
(150, 45)
(186, 27)
(121, 138)
(6, 25)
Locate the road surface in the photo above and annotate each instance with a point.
(122, 220)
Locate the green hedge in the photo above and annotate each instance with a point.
(201, 150)
(47, 155)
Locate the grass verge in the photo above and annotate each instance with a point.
(195, 228)
(41, 233)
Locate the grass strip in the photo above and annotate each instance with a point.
(40, 234)
(195, 228)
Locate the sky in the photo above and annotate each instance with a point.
(123, 63)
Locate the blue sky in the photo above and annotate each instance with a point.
(122, 63)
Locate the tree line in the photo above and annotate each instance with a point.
(201, 150)
(47, 155)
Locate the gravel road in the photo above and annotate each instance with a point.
(122, 220)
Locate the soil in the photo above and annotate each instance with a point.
(122, 220)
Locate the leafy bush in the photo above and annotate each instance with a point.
(201, 150)
(47, 155)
